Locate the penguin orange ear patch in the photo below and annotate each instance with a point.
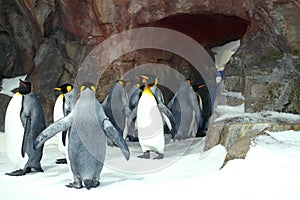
(93, 88)
(82, 88)
(69, 88)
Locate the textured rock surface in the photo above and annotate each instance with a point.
(4, 100)
(238, 150)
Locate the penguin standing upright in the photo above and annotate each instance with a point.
(186, 111)
(150, 117)
(116, 108)
(133, 99)
(205, 106)
(87, 138)
(24, 107)
(62, 107)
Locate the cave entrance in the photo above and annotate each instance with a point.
(219, 35)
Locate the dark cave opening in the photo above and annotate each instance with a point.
(209, 30)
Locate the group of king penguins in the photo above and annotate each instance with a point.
(85, 126)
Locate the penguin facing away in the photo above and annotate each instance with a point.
(150, 117)
(186, 111)
(116, 108)
(87, 138)
(62, 107)
(133, 99)
(21, 136)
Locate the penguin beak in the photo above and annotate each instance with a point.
(22, 83)
(201, 86)
(57, 89)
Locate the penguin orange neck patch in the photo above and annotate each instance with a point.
(147, 90)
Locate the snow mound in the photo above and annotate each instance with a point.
(9, 84)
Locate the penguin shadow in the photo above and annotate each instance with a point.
(108, 179)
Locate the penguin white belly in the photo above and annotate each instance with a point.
(150, 125)
(14, 131)
(58, 113)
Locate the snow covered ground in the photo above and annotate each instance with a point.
(271, 170)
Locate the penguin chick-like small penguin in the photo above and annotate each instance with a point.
(87, 138)
(20, 139)
(62, 107)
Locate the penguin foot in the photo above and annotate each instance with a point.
(177, 137)
(95, 184)
(76, 185)
(145, 155)
(132, 138)
(160, 156)
(19, 172)
(38, 169)
(61, 161)
(91, 184)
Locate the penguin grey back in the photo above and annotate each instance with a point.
(116, 106)
(185, 110)
(32, 110)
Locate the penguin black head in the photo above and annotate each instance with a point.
(24, 87)
(189, 80)
(197, 87)
(148, 79)
(65, 88)
(123, 83)
(88, 85)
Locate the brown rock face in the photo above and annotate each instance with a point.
(48, 40)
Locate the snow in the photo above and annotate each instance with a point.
(8, 84)
(223, 53)
(269, 171)
(237, 95)
(226, 112)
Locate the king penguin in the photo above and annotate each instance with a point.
(186, 111)
(200, 90)
(62, 107)
(24, 120)
(150, 117)
(87, 138)
(117, 109)
(133, 99)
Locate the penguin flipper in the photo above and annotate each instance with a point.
(117, 138)
(168, 118)
(25, 136)
(132, 115)
(58, 126)
(171, 102)
(63, 137)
